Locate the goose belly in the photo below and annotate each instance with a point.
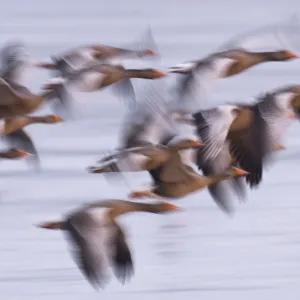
(99, 215)
(177, 190)
(89, 82)
(221, 66)
(132, 163)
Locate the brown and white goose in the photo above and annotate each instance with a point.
(85, 55)
(15, 103)
(174, 180)
(145, 157)
(99, 76)
(199, 75)
(99, 242)
(237, 135)
(12, 132)
(148, 134)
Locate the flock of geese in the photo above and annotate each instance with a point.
(165, 132)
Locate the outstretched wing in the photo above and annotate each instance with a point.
(121, 257)
(249, 147)
(88, 248)
(219, 191)
(212, 127)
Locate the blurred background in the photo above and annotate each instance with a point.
(199, 253)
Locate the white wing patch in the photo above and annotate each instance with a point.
(217, 130)
(277, 120)
(89, 81)
(96, 238)
(132, 162)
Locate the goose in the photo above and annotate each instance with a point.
(196, 78)
(155, 155)
(174, 180)
(239, 135)
(11, 125)
(83, 55)
(199, 75)
(99, 242)
(12, 132)
(15, 66)
(234, 61)
(148, 126)
(14, 103)
(99, 76)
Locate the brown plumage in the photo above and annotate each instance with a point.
(99, 76)
(13, 124)
(14, 134)
(155, 155)
(14, 103)
(201, 74)
(247, 139)
(246, 59)
(100, 53)
(106, 74)
(240, 135)
(175, 180)
(241, 61)
(99, 242)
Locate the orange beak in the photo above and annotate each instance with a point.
(58, 119)
(173, 207)
(240, 172)
(46, 66)
(23, 153)
(151, 52)
(158, 74)
(291, 54)
(44, 225)
(50, 225)
(292, 115)
(197, 144)
(279, 147)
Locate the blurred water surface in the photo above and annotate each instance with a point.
(197, 254)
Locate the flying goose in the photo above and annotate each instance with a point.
(12, 132)
(174, 179)
(152, 156)
(99, 242)
(15, 103)
(242, 135)
(199, 75)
